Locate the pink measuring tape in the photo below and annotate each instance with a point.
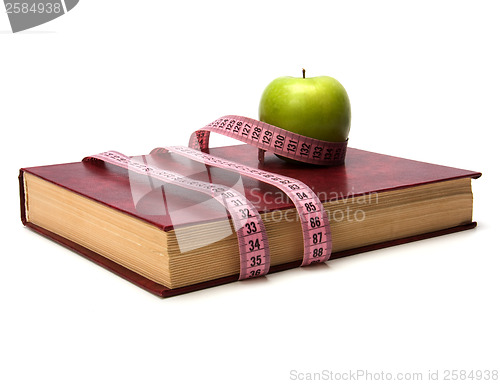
(250, 229)
(268, 137)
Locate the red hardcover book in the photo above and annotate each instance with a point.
(364, 174)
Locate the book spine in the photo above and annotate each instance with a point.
(22, 197)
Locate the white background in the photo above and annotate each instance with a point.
(423, 79)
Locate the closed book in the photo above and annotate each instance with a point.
(170, 240)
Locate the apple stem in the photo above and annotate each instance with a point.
(303, 73)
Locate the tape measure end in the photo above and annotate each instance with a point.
(262, 154)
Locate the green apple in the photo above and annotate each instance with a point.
(316, 107)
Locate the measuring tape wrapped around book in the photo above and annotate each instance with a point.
(255, 258)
